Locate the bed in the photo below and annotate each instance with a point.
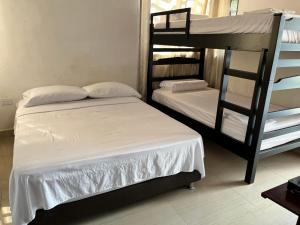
(241, 24)
(66, 152)
(202, 106)
(267, 32)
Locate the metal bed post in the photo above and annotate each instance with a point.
(264, 100)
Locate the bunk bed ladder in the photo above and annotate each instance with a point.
(271, 63)
(222, 103)
(251, 113)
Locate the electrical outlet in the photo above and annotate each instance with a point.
(6, 102)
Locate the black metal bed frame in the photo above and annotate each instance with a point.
(269, 45)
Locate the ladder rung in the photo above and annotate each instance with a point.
(241, 74)
(236, 108)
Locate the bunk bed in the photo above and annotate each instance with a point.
(269, 43)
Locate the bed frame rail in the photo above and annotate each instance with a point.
(290, 47)
(291, 82)
(279, 149)
(285, 63)
(161, 78)
(285, 112)
(276, 133)
(185, 29)
(81, 210)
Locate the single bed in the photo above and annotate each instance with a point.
(202, 106)
(70, 151)
(259, 23)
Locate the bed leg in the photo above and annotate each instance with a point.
(251, 170)
(192, 186)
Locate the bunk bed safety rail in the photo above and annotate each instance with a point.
(282, 113)
(285, 112)
(185, 29)
(281, 148)
(291, 82)
(282, 131)
(292, 24)
(286, 83)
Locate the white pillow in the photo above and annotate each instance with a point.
(110, 89)
(184, 85)
(52, 94)
(189, 85)
(169, 83)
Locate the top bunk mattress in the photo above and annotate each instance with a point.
(242, 24)
(68, 151)
(202, 106)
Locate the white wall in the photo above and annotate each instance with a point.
(249, 61)
(74, 42)
(247, 5)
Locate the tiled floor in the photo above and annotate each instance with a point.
(220, 199)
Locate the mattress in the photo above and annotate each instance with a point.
(69, 151)
(241, 24)
(202, 106)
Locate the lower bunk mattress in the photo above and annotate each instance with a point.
(202, 106)
(69, 151)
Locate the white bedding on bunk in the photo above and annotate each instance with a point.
(202, 106)
(247, 23)
(69, 151)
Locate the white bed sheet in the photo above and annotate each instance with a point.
(69, 151)
(248, 23)
(202, 106)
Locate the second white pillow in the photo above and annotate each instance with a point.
(110, 89)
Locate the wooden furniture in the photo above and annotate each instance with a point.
(269, 45)
(284, 198)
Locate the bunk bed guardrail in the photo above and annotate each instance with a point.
(168, 14)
